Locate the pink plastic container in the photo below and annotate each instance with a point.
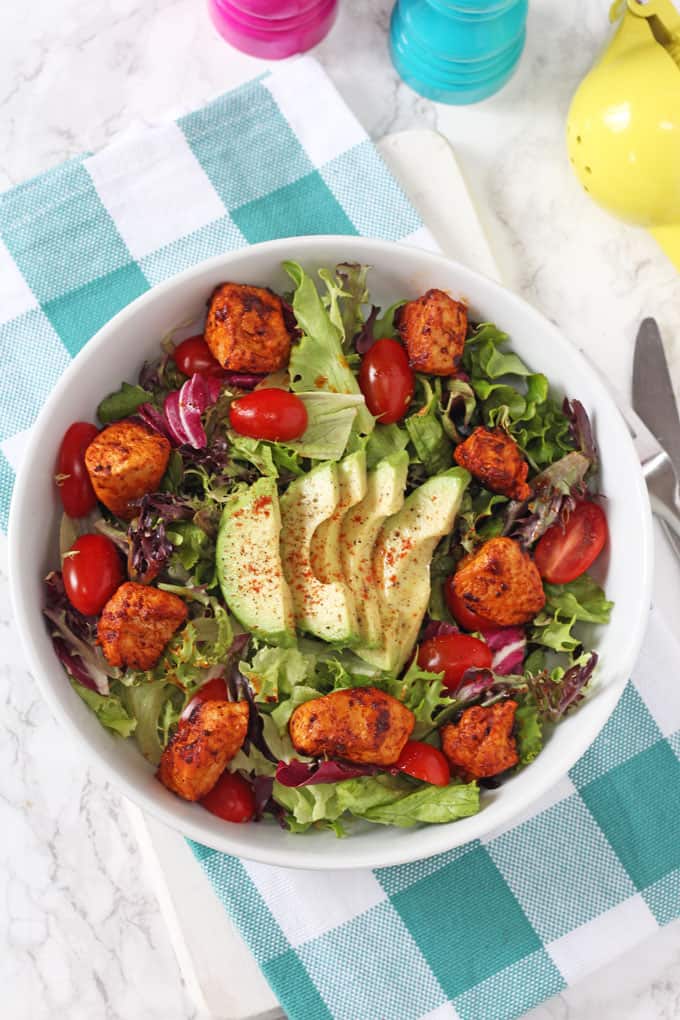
(271, 29)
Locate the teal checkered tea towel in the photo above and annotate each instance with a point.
(485, 931)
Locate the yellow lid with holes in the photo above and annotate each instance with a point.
(623, 130)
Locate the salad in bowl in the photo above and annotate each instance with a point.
(327, 564)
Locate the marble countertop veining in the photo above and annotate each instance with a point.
(80, 931)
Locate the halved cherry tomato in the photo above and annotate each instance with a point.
(271, 413)
(91, 571)
(231, 798)
(463, 616)
(193, 355)
(452, 654)
(386, 380)
(563, 554)
(214, 690)
(422, 761)
(73, 481)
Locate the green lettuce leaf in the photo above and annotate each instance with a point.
(384, 324)
(582, 600)
(352, 280)
(478, 519)
(203, 642)
(431, 804)
(330, 418)
(482, 357)
(122, 403)
(318, 360)
(433, 447)
(384, 799)
(528, 732)
(275, 672)
(383, 441)
(192, 545)
(522, 405)
(156, 707)
(108, 708)
(424, 693)
(255, 452)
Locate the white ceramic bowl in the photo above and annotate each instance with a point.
(117, 352)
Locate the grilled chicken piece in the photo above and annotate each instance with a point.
(201, 747)
(433, 327)
(246, 329)
(136, 624)
(492, 456)
(481, 743)
(124, 462)
(501, 583)
(363, 725)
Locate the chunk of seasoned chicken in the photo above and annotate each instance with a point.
(136, 624)
(492, 456)
(501, 583)
(433, 327)
(201, 747)
(246, 329)
(481, 743)
(124, 462)
(362, 725)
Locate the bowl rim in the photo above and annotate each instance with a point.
(433, 839)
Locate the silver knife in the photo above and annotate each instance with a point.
(657, 435)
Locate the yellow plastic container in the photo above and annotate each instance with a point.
(623, 130)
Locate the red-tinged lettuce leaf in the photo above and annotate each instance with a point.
(73, 664)
(509, 646)
(150, 547)
(242, 380)
(262, 792)
(580, 429)
(557, 490)
(298, 773)
(154, 419)
(555, 696)
(74, 638)
(435, 628)
(365, 339)
(239, 689)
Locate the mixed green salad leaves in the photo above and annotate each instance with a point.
(172, 544)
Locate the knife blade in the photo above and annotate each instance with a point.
(653, 395)
(658, 472)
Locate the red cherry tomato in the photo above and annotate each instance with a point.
(452, 654)
(73, 481)
(463, 616)
(92, 573)
(563, 554)
(231, 798)
(386, 380)
(422, 761)
(214, 690)
(269, 414)
(194, 355)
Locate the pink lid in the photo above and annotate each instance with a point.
(273, 28)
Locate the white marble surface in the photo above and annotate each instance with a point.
(80, 933)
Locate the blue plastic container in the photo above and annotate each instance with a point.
(457, 51)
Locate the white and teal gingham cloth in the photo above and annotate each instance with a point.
(485, 931)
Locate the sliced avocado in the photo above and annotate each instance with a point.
(325, 610)
(325, 548)
(249, 563)
(360, 528)
(401, 564)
